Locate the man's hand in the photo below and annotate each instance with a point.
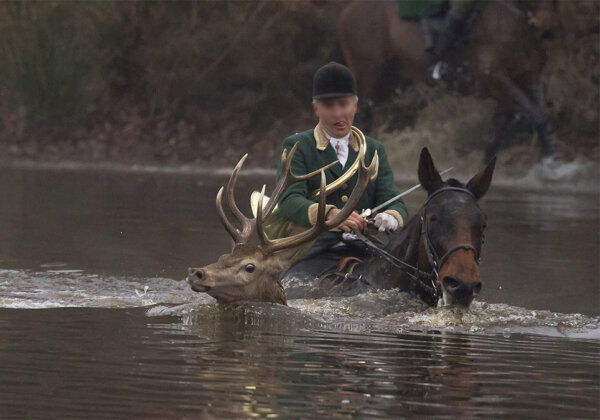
(385, 222)
(354, 222)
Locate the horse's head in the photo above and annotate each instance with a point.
(452, 229)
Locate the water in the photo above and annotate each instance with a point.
(96, 320)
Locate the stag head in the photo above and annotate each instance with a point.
(250, 271)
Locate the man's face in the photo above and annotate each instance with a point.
(336, 114)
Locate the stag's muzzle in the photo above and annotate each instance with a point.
(195, 277)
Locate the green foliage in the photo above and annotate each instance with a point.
(43, 70)
(180, 58)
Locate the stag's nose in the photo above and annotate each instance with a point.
(462, 293)
(193, 273)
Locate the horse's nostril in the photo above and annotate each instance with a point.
(451, 284)
(477, 287)
(199, 274)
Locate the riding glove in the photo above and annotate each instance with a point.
(384, 221)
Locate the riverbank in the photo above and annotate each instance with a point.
(578, 175)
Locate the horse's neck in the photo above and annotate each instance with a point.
(404, 245)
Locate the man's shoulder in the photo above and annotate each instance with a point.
(303, 138)
(300, 136)
(373, 143)
(307, 137)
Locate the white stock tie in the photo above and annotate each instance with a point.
(340, 145)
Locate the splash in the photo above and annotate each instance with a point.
(25, 289)
(388, 310)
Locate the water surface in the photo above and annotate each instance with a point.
(96, 320)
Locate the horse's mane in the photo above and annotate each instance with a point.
(453, 182)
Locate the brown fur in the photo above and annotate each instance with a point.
(228, 281)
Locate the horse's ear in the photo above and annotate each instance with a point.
(480, 183)
(429, 177)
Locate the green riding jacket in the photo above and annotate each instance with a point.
(314, 152)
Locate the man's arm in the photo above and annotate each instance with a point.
(294, 205)
(385, 189)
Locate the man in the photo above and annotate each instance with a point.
(335, 104)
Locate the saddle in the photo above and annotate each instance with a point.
(341, 282)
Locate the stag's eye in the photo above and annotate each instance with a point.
(249, 268)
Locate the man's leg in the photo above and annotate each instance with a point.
(299, 278)
(449, 30)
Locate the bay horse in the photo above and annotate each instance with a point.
(503, 56)
(435, 256)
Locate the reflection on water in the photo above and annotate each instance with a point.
(265, 361)
(93, 248)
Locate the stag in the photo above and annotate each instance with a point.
(250, 271)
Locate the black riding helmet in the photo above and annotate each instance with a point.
(333, 80)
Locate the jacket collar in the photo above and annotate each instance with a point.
(322, 141)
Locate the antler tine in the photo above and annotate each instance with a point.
(288, 178)
(373, 168)
(246, 223)
(233, 231)
(270, 246)
(365, 175)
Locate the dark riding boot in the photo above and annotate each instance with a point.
(445, 37)
(447, 33)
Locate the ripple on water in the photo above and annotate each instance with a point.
(25, 289)
(388, 310)
(392, 311)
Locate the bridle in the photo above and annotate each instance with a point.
(418, 276)
(435, 261)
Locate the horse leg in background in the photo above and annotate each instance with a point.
(500, 133)
(531, 110)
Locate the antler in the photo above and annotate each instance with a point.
(287, 178)
(365, 175)
(239, 236)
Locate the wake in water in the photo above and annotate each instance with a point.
(388, 310)
(57, 288)
(391, 311)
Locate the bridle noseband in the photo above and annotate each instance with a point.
(433, 257)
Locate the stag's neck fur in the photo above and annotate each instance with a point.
(270, 289)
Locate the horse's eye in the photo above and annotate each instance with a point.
(249, 268)
(432, 218)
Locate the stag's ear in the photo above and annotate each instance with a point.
(480, 183)
(429, 177)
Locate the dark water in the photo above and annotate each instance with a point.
(96, 322)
